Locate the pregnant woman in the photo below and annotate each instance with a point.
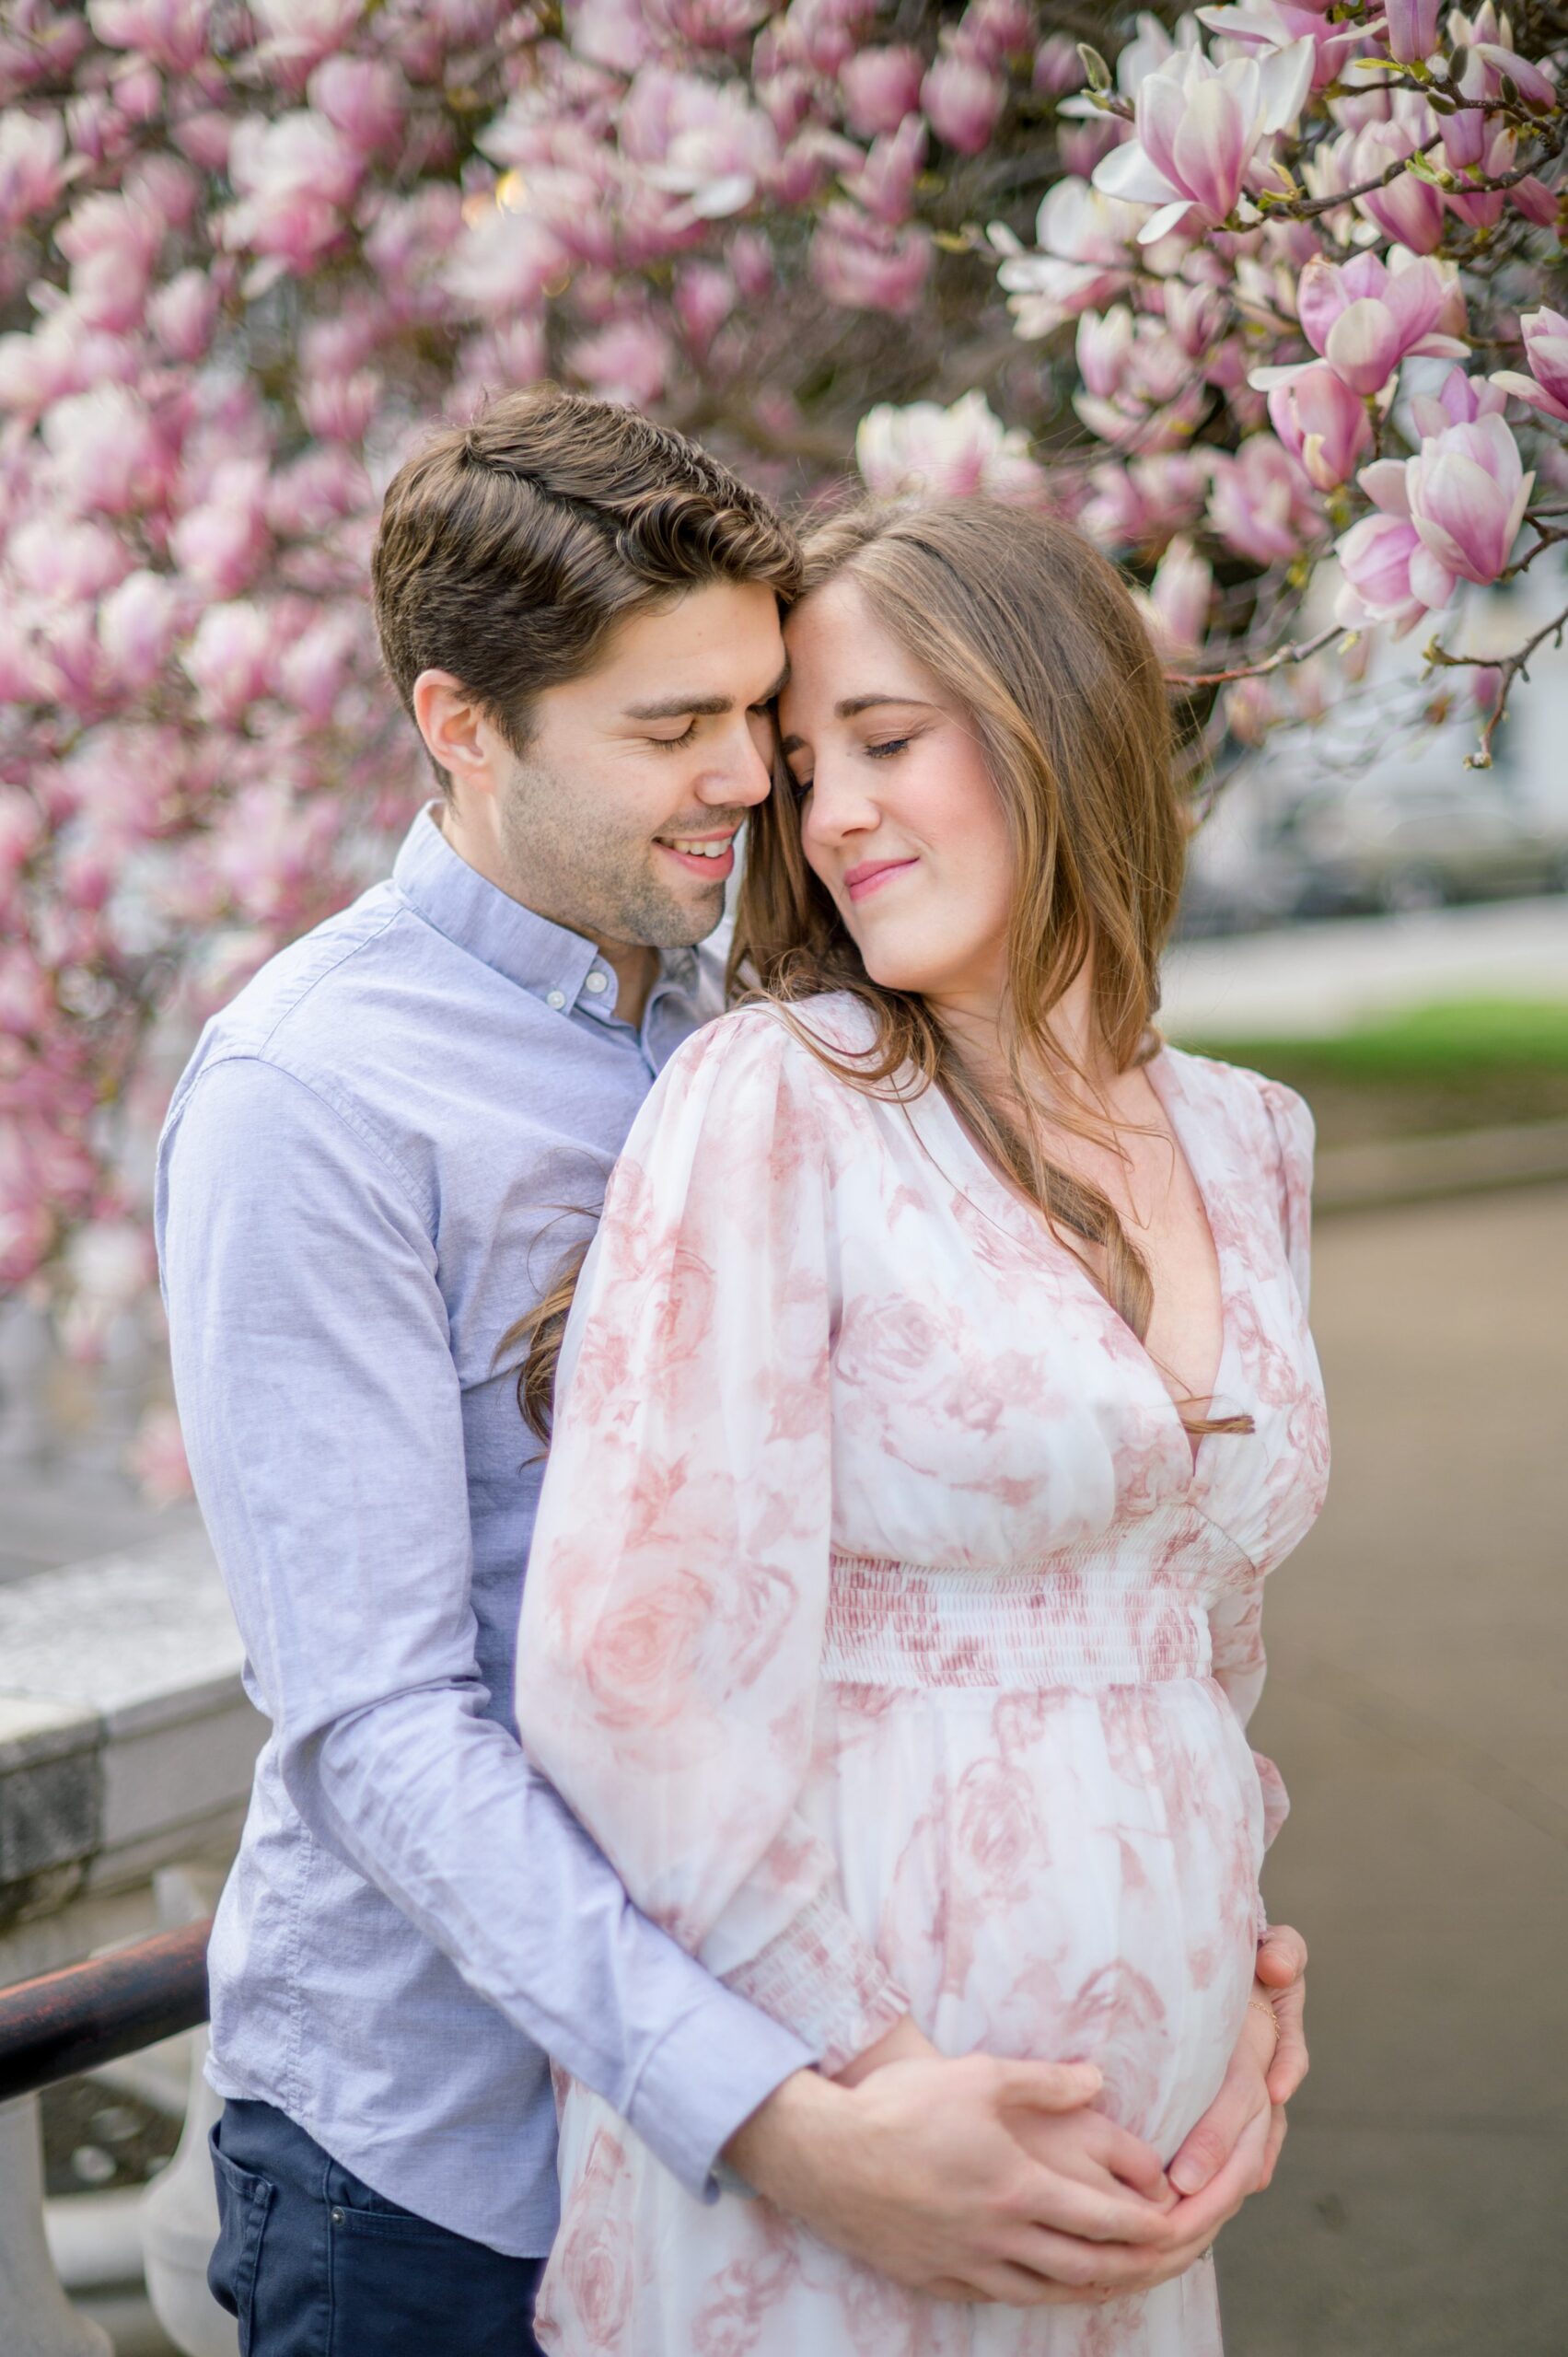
(936, 1397)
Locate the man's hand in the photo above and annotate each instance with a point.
(1268, 2064)
(920, 2173)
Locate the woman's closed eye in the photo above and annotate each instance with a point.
(887, 746)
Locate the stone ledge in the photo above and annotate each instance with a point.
(126, 1739)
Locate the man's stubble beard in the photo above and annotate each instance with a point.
(593, 882)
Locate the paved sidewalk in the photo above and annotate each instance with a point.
(1309, 980)
(1417, 1647)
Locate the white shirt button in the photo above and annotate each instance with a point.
(598, 982)
(556, 998)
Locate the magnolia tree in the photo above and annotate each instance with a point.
(1170, 290)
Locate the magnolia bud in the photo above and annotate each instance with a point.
(1096, 71)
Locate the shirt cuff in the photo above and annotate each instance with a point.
(827, 1982)
(703, 2080)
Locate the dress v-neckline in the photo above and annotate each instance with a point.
(1167, 1086)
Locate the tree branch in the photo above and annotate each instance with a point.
(1508, 668)
(1275, 662)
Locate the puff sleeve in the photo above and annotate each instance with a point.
(674, 1609)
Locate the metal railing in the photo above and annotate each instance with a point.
(86, 2015)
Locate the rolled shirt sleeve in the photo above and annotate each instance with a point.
(320, 1404)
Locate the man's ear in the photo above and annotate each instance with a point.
(456, 733)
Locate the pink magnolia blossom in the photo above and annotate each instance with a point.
(1375, 559)
(1198, 128)
(881, 86)
(996, 31)
(32, 167)
(294, 178)
(110, 243)
(1260, 503)
(137, 625)
(300, 32)
(884, 185)
(705, 295)
(108, 454)
(221, 543)
(1546, 349)
(67, 561)
(1142, 504)
(1365, 316)
(1466, 492)
(866, 266)
(504, 263)
(1275, 24)
(1458, 400)
(701, 141)
(1411, 28)
(925, 449)
(629, 361)
(1058, 67)
(1536, 201)
(183, 314)
(314, 670)
(1176, 603)
(1487, 40)
(1322, 423)
(364, 98)
(338, 409)
(611, 33)
(1080, 259)
(174, 34)
(1408, 210)
(963, 99)
(229, 658)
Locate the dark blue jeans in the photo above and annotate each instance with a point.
(314, 2265)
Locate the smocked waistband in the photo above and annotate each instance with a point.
(904, 1625)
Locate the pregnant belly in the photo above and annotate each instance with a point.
(1067, 1874)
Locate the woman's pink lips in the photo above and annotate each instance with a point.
(860, 880)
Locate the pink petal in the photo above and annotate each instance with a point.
(1322, 295)
(1384, 483)
(1525, 388)
(1364, 345)
(1429, 581)
(1211, 149)
(1164, 221)
(1129, 174)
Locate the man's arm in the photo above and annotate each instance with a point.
(322, 1412)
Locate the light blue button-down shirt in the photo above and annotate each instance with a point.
(369, 1169)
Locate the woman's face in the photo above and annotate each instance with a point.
(898, 814)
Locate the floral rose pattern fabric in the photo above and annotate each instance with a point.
(887, 1629)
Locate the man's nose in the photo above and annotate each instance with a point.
(742, 777)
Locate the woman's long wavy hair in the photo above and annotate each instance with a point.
(1033, 636)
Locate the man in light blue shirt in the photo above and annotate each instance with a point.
(377, 1157)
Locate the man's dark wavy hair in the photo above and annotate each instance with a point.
(511, 547)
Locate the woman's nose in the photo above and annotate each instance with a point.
(838, 806)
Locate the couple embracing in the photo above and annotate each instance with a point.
(814, 1914)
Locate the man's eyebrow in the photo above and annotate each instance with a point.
(674, 707)
(698, 707)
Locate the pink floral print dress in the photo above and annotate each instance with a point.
(887, 1631)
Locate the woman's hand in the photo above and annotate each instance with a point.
(1272, 2042)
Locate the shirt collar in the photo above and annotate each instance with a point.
(542, 956)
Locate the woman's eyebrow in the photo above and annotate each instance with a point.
(853, 705)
